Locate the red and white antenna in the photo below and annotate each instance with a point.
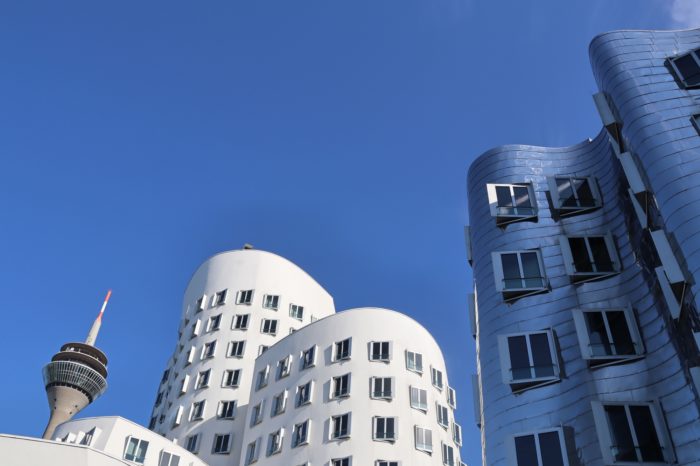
(95, 329)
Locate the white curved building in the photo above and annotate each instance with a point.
(237, 304)
(362, 387)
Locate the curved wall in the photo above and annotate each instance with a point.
(264, 273)
(363, 326)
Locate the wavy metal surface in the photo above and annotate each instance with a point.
(655, 112)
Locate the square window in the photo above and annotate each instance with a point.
(574, 195)
(511, 202)
(262, 378)
(192, 443)
(226, 410)
(423, 439)
(236, 349)
(284, 367)
(686, 67)
(135, 450)
(589, 258)
(232, 378)
(419, 399)
(342, 349)
(279, 403)
(220, 298)
(300, 434)
(414, 362)
(608, 336)
(213, 323)
(381, 388)
(240, 321)
(296, 311)
(380, 351)
(384, 428)
(304, 394)
(203, 379)
(519, 273)
(271, 301)
(269, 326)
(197, 411)
(528, 360)
(436, 378)
(308, 358)
(443, 416)
(340, 388)
(244, 297)
(274, 442)
(340, 426)
(222, 444)
(541, 448)
(208, 350)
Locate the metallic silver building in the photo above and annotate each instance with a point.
(586, 262)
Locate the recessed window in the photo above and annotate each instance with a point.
(589, 258)
(244, 297)
(384, 428)
(271, 301)
(308, 358)
(165, 376)
(414, 362)
(240, 321)
(178, 416)
(152, 423)
(340, 426)
(232, 378)
(208, 350)
(451, 398)
(687, 68)
(380, 351)
(190, 356)
(213, 323)
(279, 403)
(135, 450)
(222, 444)
(296, 311)
(192, 443)
(195, 328)
(300, 434)
(284, 367)
(159, 399)
(197, 411)
(518, 273)
(168, 459)
(419, 399)
(423, 439)
(274, 442)
(185, 382)
(226, 409)
(269, 326)
(448, 455)
(436, 378)
(203, 379)
(511, 202)
(340, 461)
(386, 463)
(382, 388)
(342, 349)
(262, 378)
(304, 394)
(251, 452)
(528, 360)
(257, 413)
(236, 349)
(573, 195)
(632, 433)
(607, 335)
(200, 304)
(340, 386)
(457, 433)
(544, 448)
(220, 298)
(443, 416)
(262, 349)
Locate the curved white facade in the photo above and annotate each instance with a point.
(193, 408)
(358, 396)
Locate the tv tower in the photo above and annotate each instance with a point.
(75, 377)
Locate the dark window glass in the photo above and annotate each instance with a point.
(550, 449)
(519, 360)
(622, 444)
(579, 252)
(622, 340)
(541, 355)
(503, 197)
(647, 437)
(597, 334)
(526, 451)
(689, 69)
(566, 192)
(583, 192)
(531, 270)
(511, 271)
(601, 257)
(522, 198)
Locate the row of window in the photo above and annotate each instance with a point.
(240, 322)
(245, 297)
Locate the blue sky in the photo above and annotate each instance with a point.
(139, 138)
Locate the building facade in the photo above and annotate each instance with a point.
(586, 262)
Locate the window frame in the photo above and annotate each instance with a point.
(202, 380)
(222, 410)
(513, 452)
(277, 435)
(503, 219)
(279, 404)
(342, 435)
(376, 434)
(234, 345)
(423, 445)
(139, 444)
(163, 461)
(583, 334)
(245, 297)
(336, 383)
(208, 350)
(305, 363)
(284, 367)
(245, 318)
(295, 433)
(298, 400)
(294, 309)
(235, 375)
(437, 378)
(382, 395)
(274, 305)
(194, 438)
(566, 211)
(272, 327)
(382, 357)
(219, 298)
(442, 414)
(457, 433)
(519, 385)
(257, 413)
(671, 61)
(345, 461)
(577, 276)
(262, 378)
(448, 454)
(415, 368)
(214, 323)
(509, 293)
(345, 355)
(451, 397)
(252, 451)
(197, 410)
(224, 451)
(419, 406)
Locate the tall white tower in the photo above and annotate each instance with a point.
(237, 304)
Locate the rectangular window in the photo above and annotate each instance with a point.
(222, 444)
(304, 394)
(257, 414)
(448, 455)
(274, 442)
(451, 398)
(423, 439)
(308, 358)
(177, 419)
(340, 426)
(342, 349)
(214, 323)
(340, 461)
(262, 349)
(518, 273)
(192, 443)
(300, 434)
(197, 411)
(608, 336)
(208, 350)
(686, 67)
(271, 301)
(436, 378)
(443, 416)
(589, 257)
(528, 360)
(631, 433)
(236, 349)
(545, 448)
(165, 376)
(226, 410)
(381, 388)
(195, 328)
(251, 452)
(380, 351)
(203, 379)
(296, 311)
(279, 403)
(511, 202)
(284, 367)
(185, 382)
(190, 355)
(240, 321)
(244, 297)
(220, 298)
(269, 326)
(200, 304)
(262, 378)
(168, 459)
(384, 428)
(341, 386)
(414, 362)
(457, 433)
(572, 195)
(419, 398)
(159, 399)
(386, 463)
(232, 378)
(135, 450)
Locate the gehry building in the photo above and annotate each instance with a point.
(586, 264)
(265, 372)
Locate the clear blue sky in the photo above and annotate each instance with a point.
(139, 138)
